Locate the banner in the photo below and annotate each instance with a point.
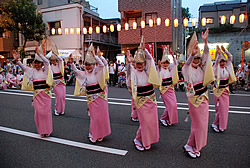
(150, 48)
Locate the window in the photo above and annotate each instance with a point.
(4, 35)
(53, 28)
(210, 20)
(39, 2)
(150, 16)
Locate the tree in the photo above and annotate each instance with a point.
(185, 13)
(21, 16)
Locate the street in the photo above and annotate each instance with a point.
(68, 146)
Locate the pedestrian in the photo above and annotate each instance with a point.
(40, 80)
(92, 82)
(19, 78)
(56, 63)
(224, 75)
(198, 73)
(3, 82)
(169, 75)
(142, 80)
(11, 79)
(111, 73)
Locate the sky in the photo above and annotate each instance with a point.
(109, 8)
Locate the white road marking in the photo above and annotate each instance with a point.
(129, 100)
(129, 104)
(66, 142)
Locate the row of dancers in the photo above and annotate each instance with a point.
(142, 79)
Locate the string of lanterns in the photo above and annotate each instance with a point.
(111, 28)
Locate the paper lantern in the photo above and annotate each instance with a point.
(158, 21)
(59, 31)
(53, 31)
(112, 28)
(185, 22)
(175, 22)
(78, 30)
(104, 29)
(134, 25)
(66, 31)
(223, 19)
(71, 30)
(97, 29)
(126, 26)
(204, 21)
(84, 30)
(119, 27)
(194, 22)
(232, 19)
(167, 21)
(151, 23)
(242, 17)
(142, 24)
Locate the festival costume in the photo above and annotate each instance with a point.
(59, 85)
(93, 84)
(142, 85)
(224, 77)
(169, 78)
(40, 82)
(196, 81)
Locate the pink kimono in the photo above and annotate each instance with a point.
(59, 86)
(221, 92)
(97, 100)
(145, 103)
(168, 96)
(42, 96)
(198, 98)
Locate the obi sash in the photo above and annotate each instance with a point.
(57, 75)
(224, 83)
(145, 90)
(199, 88)
(94, 88)
(167, 81)
(40, 84)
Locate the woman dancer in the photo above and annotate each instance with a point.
(92, 81)
(39, 79)
(141, 80)
(169, 75)
(59, 83)
(224, 75)
(198, 73)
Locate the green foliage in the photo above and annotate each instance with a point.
(185, 13)
(21, 16)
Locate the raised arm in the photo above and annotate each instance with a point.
(104, 61)
(229, 55)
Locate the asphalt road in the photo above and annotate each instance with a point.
(228, 149)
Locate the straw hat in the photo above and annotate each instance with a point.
(89, 59)
(140, 54)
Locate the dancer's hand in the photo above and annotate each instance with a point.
(205, 35)
(15, 55)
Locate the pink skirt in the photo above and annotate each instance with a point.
(199, 126)
(133, 108)
(148, 132)
(221, 111)
(43, 114)
(60, 94)
(170, 113)
(99, 119)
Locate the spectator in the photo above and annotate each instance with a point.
(112, 73)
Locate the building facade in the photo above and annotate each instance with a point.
(66, 21)
(144, 10)
(231, 34)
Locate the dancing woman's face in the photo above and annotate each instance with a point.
(89, 67)
(140, 66)
(165, 64)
